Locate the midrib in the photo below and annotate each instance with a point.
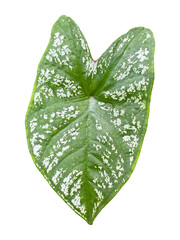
(87, 138)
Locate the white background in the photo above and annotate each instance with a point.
(148, 206)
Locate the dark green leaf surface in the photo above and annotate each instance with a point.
(86, 120)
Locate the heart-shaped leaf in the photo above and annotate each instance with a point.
(87, 119)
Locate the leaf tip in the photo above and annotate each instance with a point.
(89, 221)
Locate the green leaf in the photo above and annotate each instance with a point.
(86, 120)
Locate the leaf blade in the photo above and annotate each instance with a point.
(87, 146)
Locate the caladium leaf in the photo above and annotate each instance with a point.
(87, 119)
